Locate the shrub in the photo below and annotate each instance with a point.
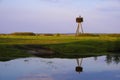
(23, 33)
(48, 34)
(3, 34)
(88, 34)
(57, 34)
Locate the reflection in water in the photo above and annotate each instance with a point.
(61, 69)
(79, 63)
(112, 58)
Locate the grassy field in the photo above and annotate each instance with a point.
(64, 45)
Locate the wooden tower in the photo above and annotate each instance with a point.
(79, 30)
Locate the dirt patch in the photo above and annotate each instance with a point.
(37, 50)
(41, 52)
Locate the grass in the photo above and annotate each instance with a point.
(65, 45)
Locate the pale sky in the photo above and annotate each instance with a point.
(58, 16)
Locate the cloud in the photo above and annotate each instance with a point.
(50, 1)
(58, 1)
(0, 1)
(110, 6)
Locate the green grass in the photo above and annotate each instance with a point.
(63, 45)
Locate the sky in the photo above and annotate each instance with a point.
(59, 16)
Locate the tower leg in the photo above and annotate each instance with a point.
(81, 29)
(79, 61)
(77, 31)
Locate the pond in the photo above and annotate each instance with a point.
(35, 68)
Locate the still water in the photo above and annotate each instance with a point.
(34, 68)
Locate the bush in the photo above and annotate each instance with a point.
(3, 34)
(113, 35)
(57, 34)
(88, 34)
(23, 33)
(48, 34)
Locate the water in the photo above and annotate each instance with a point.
(34, 68)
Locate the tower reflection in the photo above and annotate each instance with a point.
(79, 68)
